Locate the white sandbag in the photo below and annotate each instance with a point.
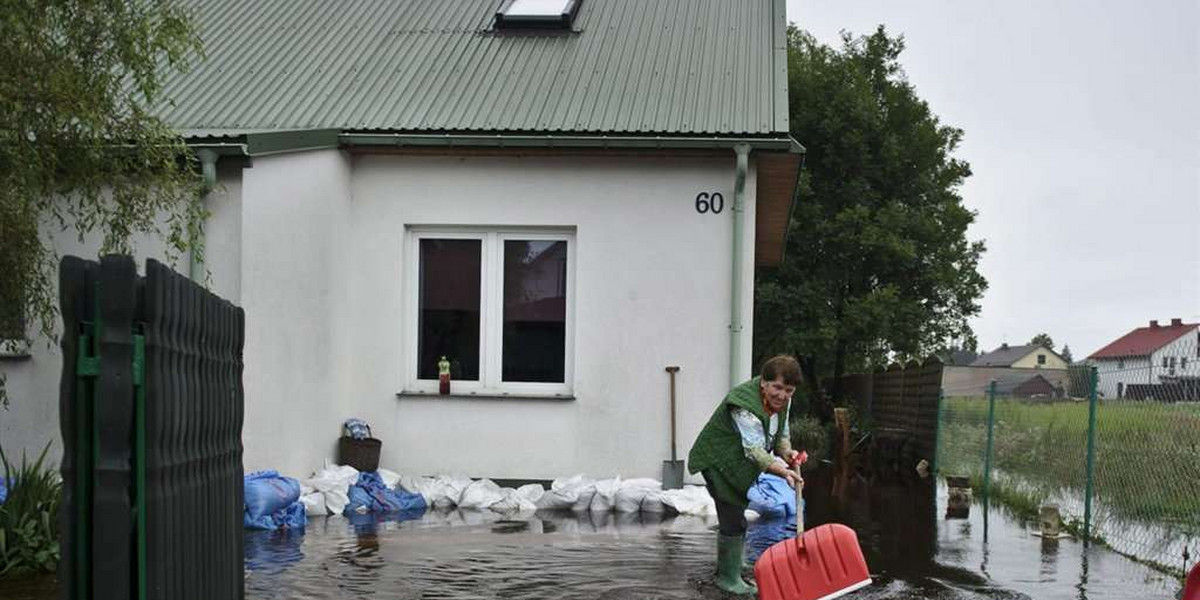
(513, 501)
(632, 492)
(390, 478)
(586, 490)
(451, 489)
(332, 483)
(691, 500)
(314, 504)
(480, 494)
(418, 485)
(532, 492)
(561, 498)
(606, 493)
(653, 502)
(336, 501)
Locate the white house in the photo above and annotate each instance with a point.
(1158, 354)
(562, 197)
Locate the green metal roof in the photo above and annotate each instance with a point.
(628, 67)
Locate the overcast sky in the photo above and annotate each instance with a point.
(1082, 127)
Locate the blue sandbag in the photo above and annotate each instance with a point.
(267, 492)
(292, 516)
(370, 493)
(771, 497)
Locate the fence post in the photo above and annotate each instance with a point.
(1093, 383)
(937, 432)
(987, 458)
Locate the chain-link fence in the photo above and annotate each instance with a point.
(1114, 443)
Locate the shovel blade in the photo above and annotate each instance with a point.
(824, 563)
(672, 476)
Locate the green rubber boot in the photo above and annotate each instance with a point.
(730, 551)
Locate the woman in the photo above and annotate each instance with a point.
(736, 445)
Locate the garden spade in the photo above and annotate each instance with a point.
(672, 475)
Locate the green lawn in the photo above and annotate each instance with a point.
(1147, 462)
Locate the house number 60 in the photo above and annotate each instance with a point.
(713, 202)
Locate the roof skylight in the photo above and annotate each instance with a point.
(544, 14)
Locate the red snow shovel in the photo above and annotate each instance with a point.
(821, 564)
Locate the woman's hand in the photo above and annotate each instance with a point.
(791, 477)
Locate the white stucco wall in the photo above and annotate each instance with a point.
(294, 215)
(32, 416)
(651, 290)
(312, 246)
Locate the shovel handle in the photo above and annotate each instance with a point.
(799, 502)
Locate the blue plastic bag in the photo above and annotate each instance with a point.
(3, 491)
(356, 428)
(370, 493)
(292, 516)
(267, 492)
(772, 497)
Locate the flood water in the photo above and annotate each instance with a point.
(912, 550)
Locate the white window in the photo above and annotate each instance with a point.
(498, 304)
(1041, 359)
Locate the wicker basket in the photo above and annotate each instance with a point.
(360, 454)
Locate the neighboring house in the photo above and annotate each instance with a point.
(1016, 382)
(562, 205)
(1150, 356)
(1030, 356)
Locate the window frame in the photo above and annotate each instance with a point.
(491, 313)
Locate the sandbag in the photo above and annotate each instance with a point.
(369, 494)
(480, 494)
(606, 493)
(418, 485)
(690, 500)
(448, 489)
(333, 483)
(562, 498)
(268, 492)
(771, 497)
(390, 478)
(632, 493)
(292, 516)
(586, 490)
(532, 492)
(513, 501)
(653, 502)
(314, 504)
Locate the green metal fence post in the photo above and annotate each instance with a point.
(987, 457)
(1093, 401)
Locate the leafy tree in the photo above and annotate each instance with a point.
(1066, 354)
(878, 266)
(1043, 339)
(79, 147)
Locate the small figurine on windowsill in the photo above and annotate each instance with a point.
(444, 377)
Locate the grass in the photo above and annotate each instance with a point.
(29, 517)
(1147, 455)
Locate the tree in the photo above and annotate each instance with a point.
(79, 145)
(877, 265)
(1066, 354)
(1042, 339)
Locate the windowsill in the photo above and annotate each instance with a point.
(413, 394)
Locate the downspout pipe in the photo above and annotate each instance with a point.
(737, 268)
(208, 171)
